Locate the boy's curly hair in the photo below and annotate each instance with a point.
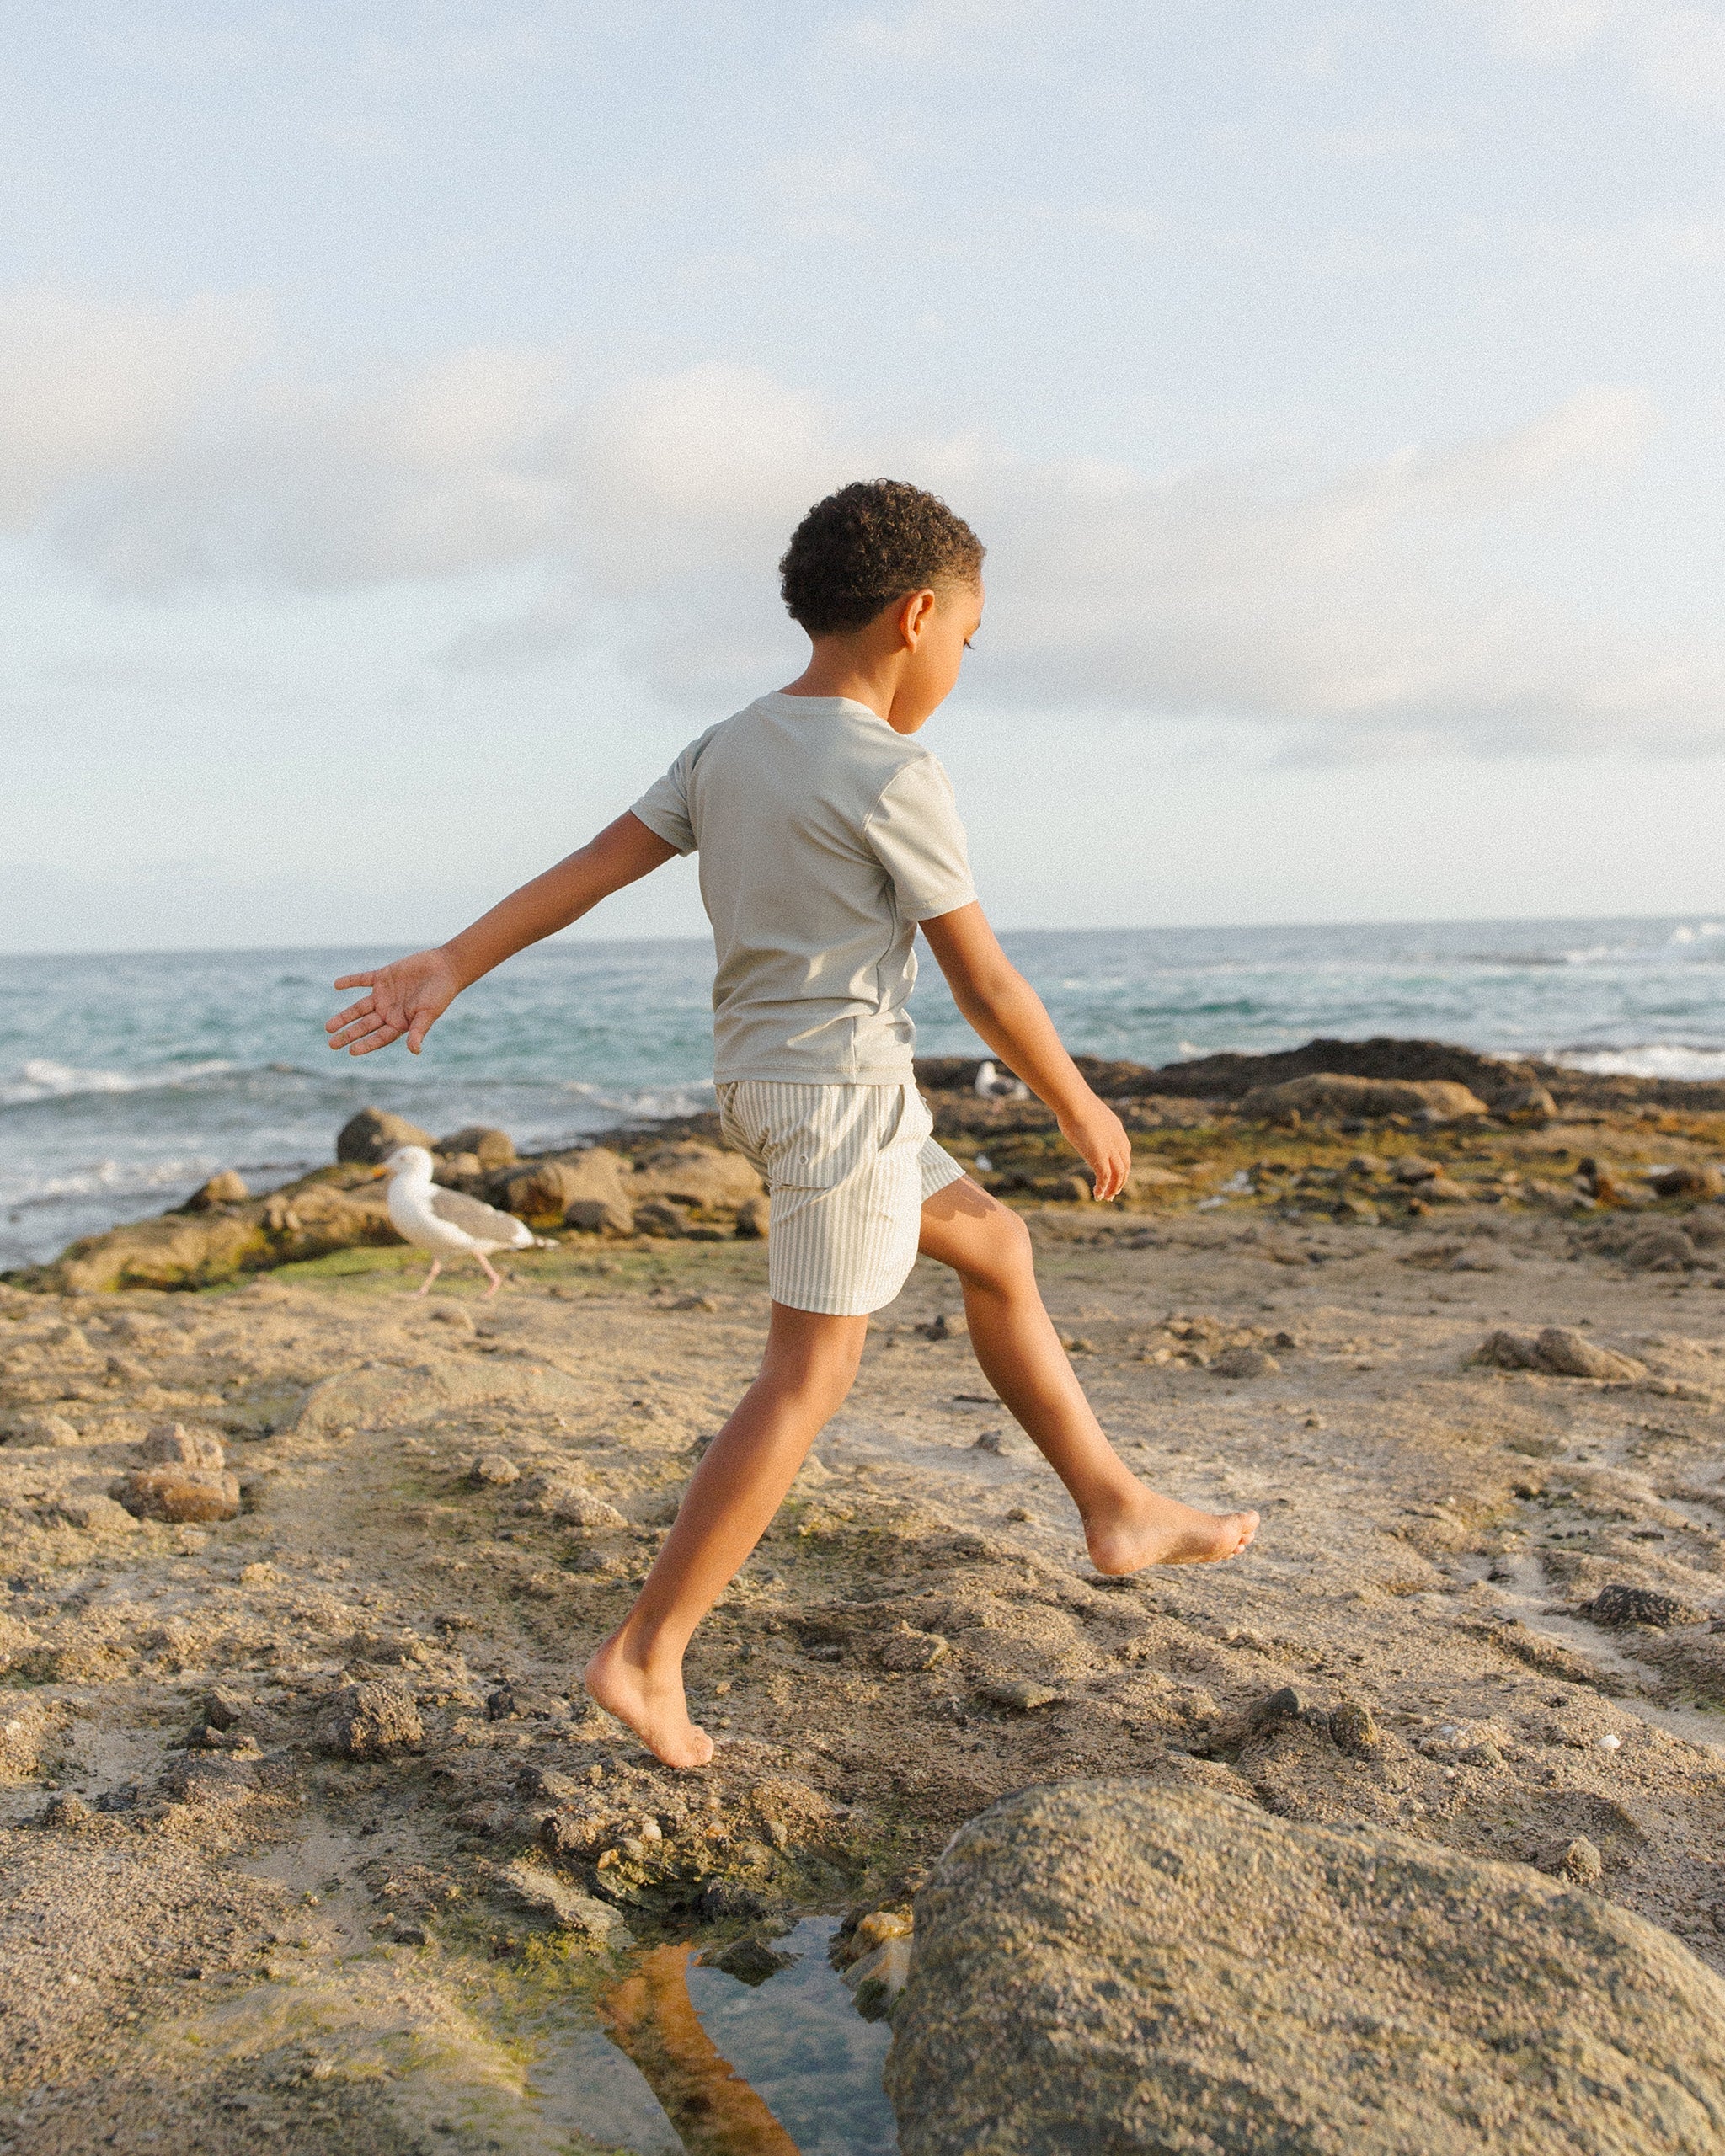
(867, 545)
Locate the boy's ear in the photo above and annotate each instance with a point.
(916, 610)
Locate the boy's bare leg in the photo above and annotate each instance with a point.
(1126, 1526)
(809, 1365)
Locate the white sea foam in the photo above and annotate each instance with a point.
(652, 1103)
(42, 1079)
(1648, 1059)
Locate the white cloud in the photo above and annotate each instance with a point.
(1356, 608)
(89, 389)
(1550, 30)
(1675, 53)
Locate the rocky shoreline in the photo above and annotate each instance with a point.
(308, 1832)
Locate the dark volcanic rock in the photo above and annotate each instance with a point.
(1103, 1965)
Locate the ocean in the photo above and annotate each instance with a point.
(126, 1080)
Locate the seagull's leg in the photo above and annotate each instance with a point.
(491, 1273)
(425, 1286)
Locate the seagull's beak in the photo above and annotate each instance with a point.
(377, 1173)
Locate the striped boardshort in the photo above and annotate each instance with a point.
(847, 1169)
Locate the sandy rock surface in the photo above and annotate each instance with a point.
(1101, 1965)
(256, 1932)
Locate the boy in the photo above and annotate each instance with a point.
(827, 836)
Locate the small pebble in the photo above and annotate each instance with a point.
(1609, 1742)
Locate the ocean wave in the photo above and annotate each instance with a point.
(42, 1079)
(1647, 1059)
(654, 1103)
(105, 1179)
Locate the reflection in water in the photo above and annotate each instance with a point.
(650, 2017)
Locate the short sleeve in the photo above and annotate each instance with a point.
(915, 835)
(664, 807)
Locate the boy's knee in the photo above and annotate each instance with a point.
(1003, 1256)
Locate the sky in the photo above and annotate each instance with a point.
(402, 408)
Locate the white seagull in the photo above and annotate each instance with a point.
(448, 1222)
(1000, 1085)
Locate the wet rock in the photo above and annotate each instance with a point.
(907, 1651)
(495, 1470)
(1077, 1985)
(752, 1218)
(373, 1134)
(1019, 1695)
(1334, 1095)
(1354, 1731)
(547, 1894)
(370, 1721)
(750, 1961)
(1244, 1363)
(33, 1430)
(492, 1148)
(176, 1492)
(876, 1980)
(173, 1441)
(1580, 1862)
(729, 1900)
(1616, 1604)
(230, 1187)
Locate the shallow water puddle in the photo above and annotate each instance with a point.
(689, 2059)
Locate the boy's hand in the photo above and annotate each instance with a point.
(1098, 1133)
(407, 997)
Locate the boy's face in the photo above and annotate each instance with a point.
(936, 636)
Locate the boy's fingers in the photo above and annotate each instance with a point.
(355, 980)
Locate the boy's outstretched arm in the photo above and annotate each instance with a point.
(1007, 1013)
(411, 994)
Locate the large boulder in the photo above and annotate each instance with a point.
(308, 1218)
(541, 1191)
(373, 1134)
(1107, 1966)
(692, 1173)
(1334, 1094)
(492, 1148)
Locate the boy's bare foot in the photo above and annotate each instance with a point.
(1156, 1530)
(652, 1704)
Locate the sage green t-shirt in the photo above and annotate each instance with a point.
(825, 837)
